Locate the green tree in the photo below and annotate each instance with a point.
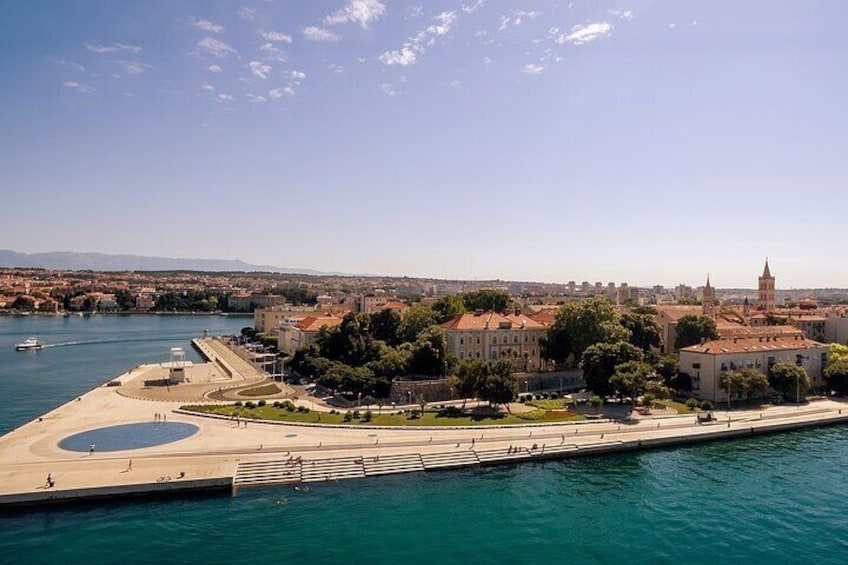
(125, 299)
(733, 383)
(755, 383)
(599, 364)
(390, 362)
(448, 307)
(24, 303)
(630, 378)
(468, 374)
(837, 377)
(645, 332)
(385, 325)
(667, 367)
(416, 320)
(350, 342)
(838, 352)
(428, 353)
(789, 379)
(498, 385)
(579, 325)
(486, 299)
(691, 330)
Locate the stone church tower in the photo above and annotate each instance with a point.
(766, 300)
(708, 300)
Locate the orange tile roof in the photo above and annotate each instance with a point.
(492, 321)
(677, 311)
(315, 323)
(753, 345)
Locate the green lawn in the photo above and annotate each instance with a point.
(272, 413)
(265, 390)
(679, 406)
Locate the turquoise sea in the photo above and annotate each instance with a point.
(774, 499)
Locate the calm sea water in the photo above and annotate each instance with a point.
(775, 499)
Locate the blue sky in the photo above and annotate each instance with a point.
(643, 141)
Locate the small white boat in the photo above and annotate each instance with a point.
(30, 344)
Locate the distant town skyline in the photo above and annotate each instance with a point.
(648, 142)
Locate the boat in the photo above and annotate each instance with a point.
(30, 344)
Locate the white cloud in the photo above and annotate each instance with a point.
(275, 36)
(204, 25)
(487, 60)
(208, 87)
(277, 93)
(134, 67)
(388, 89)
(583, 34)
(519, 16)
(114, 48)
(78, 86)
(532, 69)
(418, 44)
(215, 69)
(623, 14)
(214, 47)
(313, 33)
(259, 69)
(70, 66)
(296, 76)
(256, 99)
(471, 8)
(363, 12)
(273, 52)
(403, 57)
(672, 26)
(247, 13)
(224, 97)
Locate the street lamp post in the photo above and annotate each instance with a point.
(526, 387)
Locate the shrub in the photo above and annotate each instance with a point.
(368, 416)
(334, 411)
(356, 414)
(238, 403)
(706, 405)
(691, 404)
(288, 406)
(348, 416)
(276, 404)
(261, 403)
(249, 404)
(414, 414)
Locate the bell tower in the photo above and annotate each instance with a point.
(708, 300)
(766, 300)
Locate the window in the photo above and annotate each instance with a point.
(724, 366)
(478, 341)
(525, 338)
(461, 341)
(515, 339)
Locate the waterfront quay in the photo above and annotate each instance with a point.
(129, 437)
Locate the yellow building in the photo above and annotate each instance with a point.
(489, 336)
(706, 362)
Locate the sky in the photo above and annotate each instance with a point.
(652, 142)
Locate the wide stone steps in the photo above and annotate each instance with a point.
(332, 469)
(390, 464)
(266, 472)
(446, 460)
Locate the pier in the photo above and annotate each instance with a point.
(176, 451)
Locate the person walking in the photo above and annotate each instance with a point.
(129, 465)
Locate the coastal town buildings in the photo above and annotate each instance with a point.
(706, 362)
(299, 331)
(490, 336)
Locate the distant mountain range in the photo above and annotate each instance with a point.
(67, 260)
